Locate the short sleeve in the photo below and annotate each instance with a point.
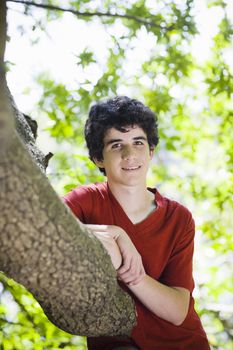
(79, 201)
(178, 271)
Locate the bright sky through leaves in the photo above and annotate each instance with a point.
(57, 50)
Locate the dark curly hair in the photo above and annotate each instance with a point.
(118, 113)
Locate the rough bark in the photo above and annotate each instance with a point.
(27, 129)
(43, 247)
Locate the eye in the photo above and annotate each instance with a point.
(116, 145)
(138, 143)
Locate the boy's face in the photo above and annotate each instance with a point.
(126, 156)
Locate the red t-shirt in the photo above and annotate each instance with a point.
(165, 241)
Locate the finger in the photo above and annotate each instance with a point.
(125, 274)
(105, 239)
(132, 274)
(128, 279)
(125, 267)
(127, 262)
(134, 265)
(137, 280)
(102, 234)
(97, 227)
(132, 280)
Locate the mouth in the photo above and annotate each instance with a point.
(131, 168)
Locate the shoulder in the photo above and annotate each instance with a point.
(183, 218)
(173, 210)
(85, 200)
(178, 208)
(84, 192)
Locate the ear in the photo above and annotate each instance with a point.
(99, 163)
(151, 152)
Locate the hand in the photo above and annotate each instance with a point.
(132, 270)
(105, 235)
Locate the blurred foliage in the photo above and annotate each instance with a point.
(193, 163)
(24, 326)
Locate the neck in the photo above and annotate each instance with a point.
(136, 201)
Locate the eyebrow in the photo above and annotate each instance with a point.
(136, 138)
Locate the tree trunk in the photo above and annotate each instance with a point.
(42, 245)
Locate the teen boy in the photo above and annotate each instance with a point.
(149, 237)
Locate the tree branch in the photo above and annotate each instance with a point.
(43, 246)
(6, 112)
(146, 22)
(2, 32)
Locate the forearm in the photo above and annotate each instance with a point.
(169, 303)
(105, 236)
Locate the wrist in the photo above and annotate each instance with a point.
(138, 284)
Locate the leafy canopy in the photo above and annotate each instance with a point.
(149, 54)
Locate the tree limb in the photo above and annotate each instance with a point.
(146, 22)
(6, 112)
(42, 245)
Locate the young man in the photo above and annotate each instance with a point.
(148, 237)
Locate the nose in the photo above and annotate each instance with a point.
(128, 153)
